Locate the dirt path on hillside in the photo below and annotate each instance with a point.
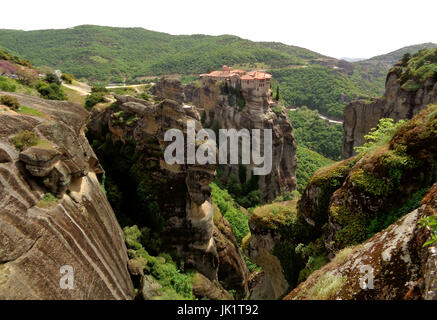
(82, 88)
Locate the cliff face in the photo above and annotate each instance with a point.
(275, 232)
(220, 110)
(174, 201)
(397, 103)
(382, 179)
(399, 266)
(344, 205)
(42, 156)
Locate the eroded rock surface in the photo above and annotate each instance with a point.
(77, 228)
(395, 256)
(397, 103)
(174, 199)
(220, 111)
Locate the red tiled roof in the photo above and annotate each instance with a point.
(258, 75)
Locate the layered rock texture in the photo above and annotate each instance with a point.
(173, 201)
(404, 98)
(392, 265)
(344, 205)
(382, 180)
(275, 231)
(53, 212)
(223, 108)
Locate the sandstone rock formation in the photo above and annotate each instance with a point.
(220, 111)
(383, 179)
(361, 116)
(275, 231)
(342, 206)
(232, 271)
(43, 156)
(396, 258)
(173, 200)
(204, 288)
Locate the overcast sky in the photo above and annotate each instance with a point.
(338, 28)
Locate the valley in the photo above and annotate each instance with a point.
(84, 181)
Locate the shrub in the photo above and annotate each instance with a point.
(175, 283)
(231, 211)
(50, 91)
(7, 85)
(430, 223)
(277, 110)
(27, 76)
(68, 78)
(10, 101)
(384, 219)
(93, 99)
(48, 201)
(99, 89)
(314, 263)
(380, 135)
(25, 139)
(52, 78)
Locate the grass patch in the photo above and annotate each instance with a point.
(341, 255)
(176, 283)
(326, 287)
(30, 111)
(48, 201)
(231, 211)
(74, 96)
(25, 139)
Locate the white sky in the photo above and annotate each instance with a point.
(338, 28)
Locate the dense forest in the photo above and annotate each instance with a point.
(315, 133)
(114, 55)
(322, 88)
(117, 54)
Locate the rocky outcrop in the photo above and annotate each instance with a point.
(392, 265)
(220, 110)
(397, 103)
(232, 271)
(272, 283)
(55, 220)
(260, 286)
(314, 202)
(174, 201)
(383, 179)
(204, 288)
(275, 231)
(186, 221)
(342, 206)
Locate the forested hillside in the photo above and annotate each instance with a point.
(107, 54)
(316, 134)
(377, 67)
(113, 54)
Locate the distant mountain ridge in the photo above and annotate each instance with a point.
(107, 54)
(394, 56)
(113, 54)
(378, 66)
